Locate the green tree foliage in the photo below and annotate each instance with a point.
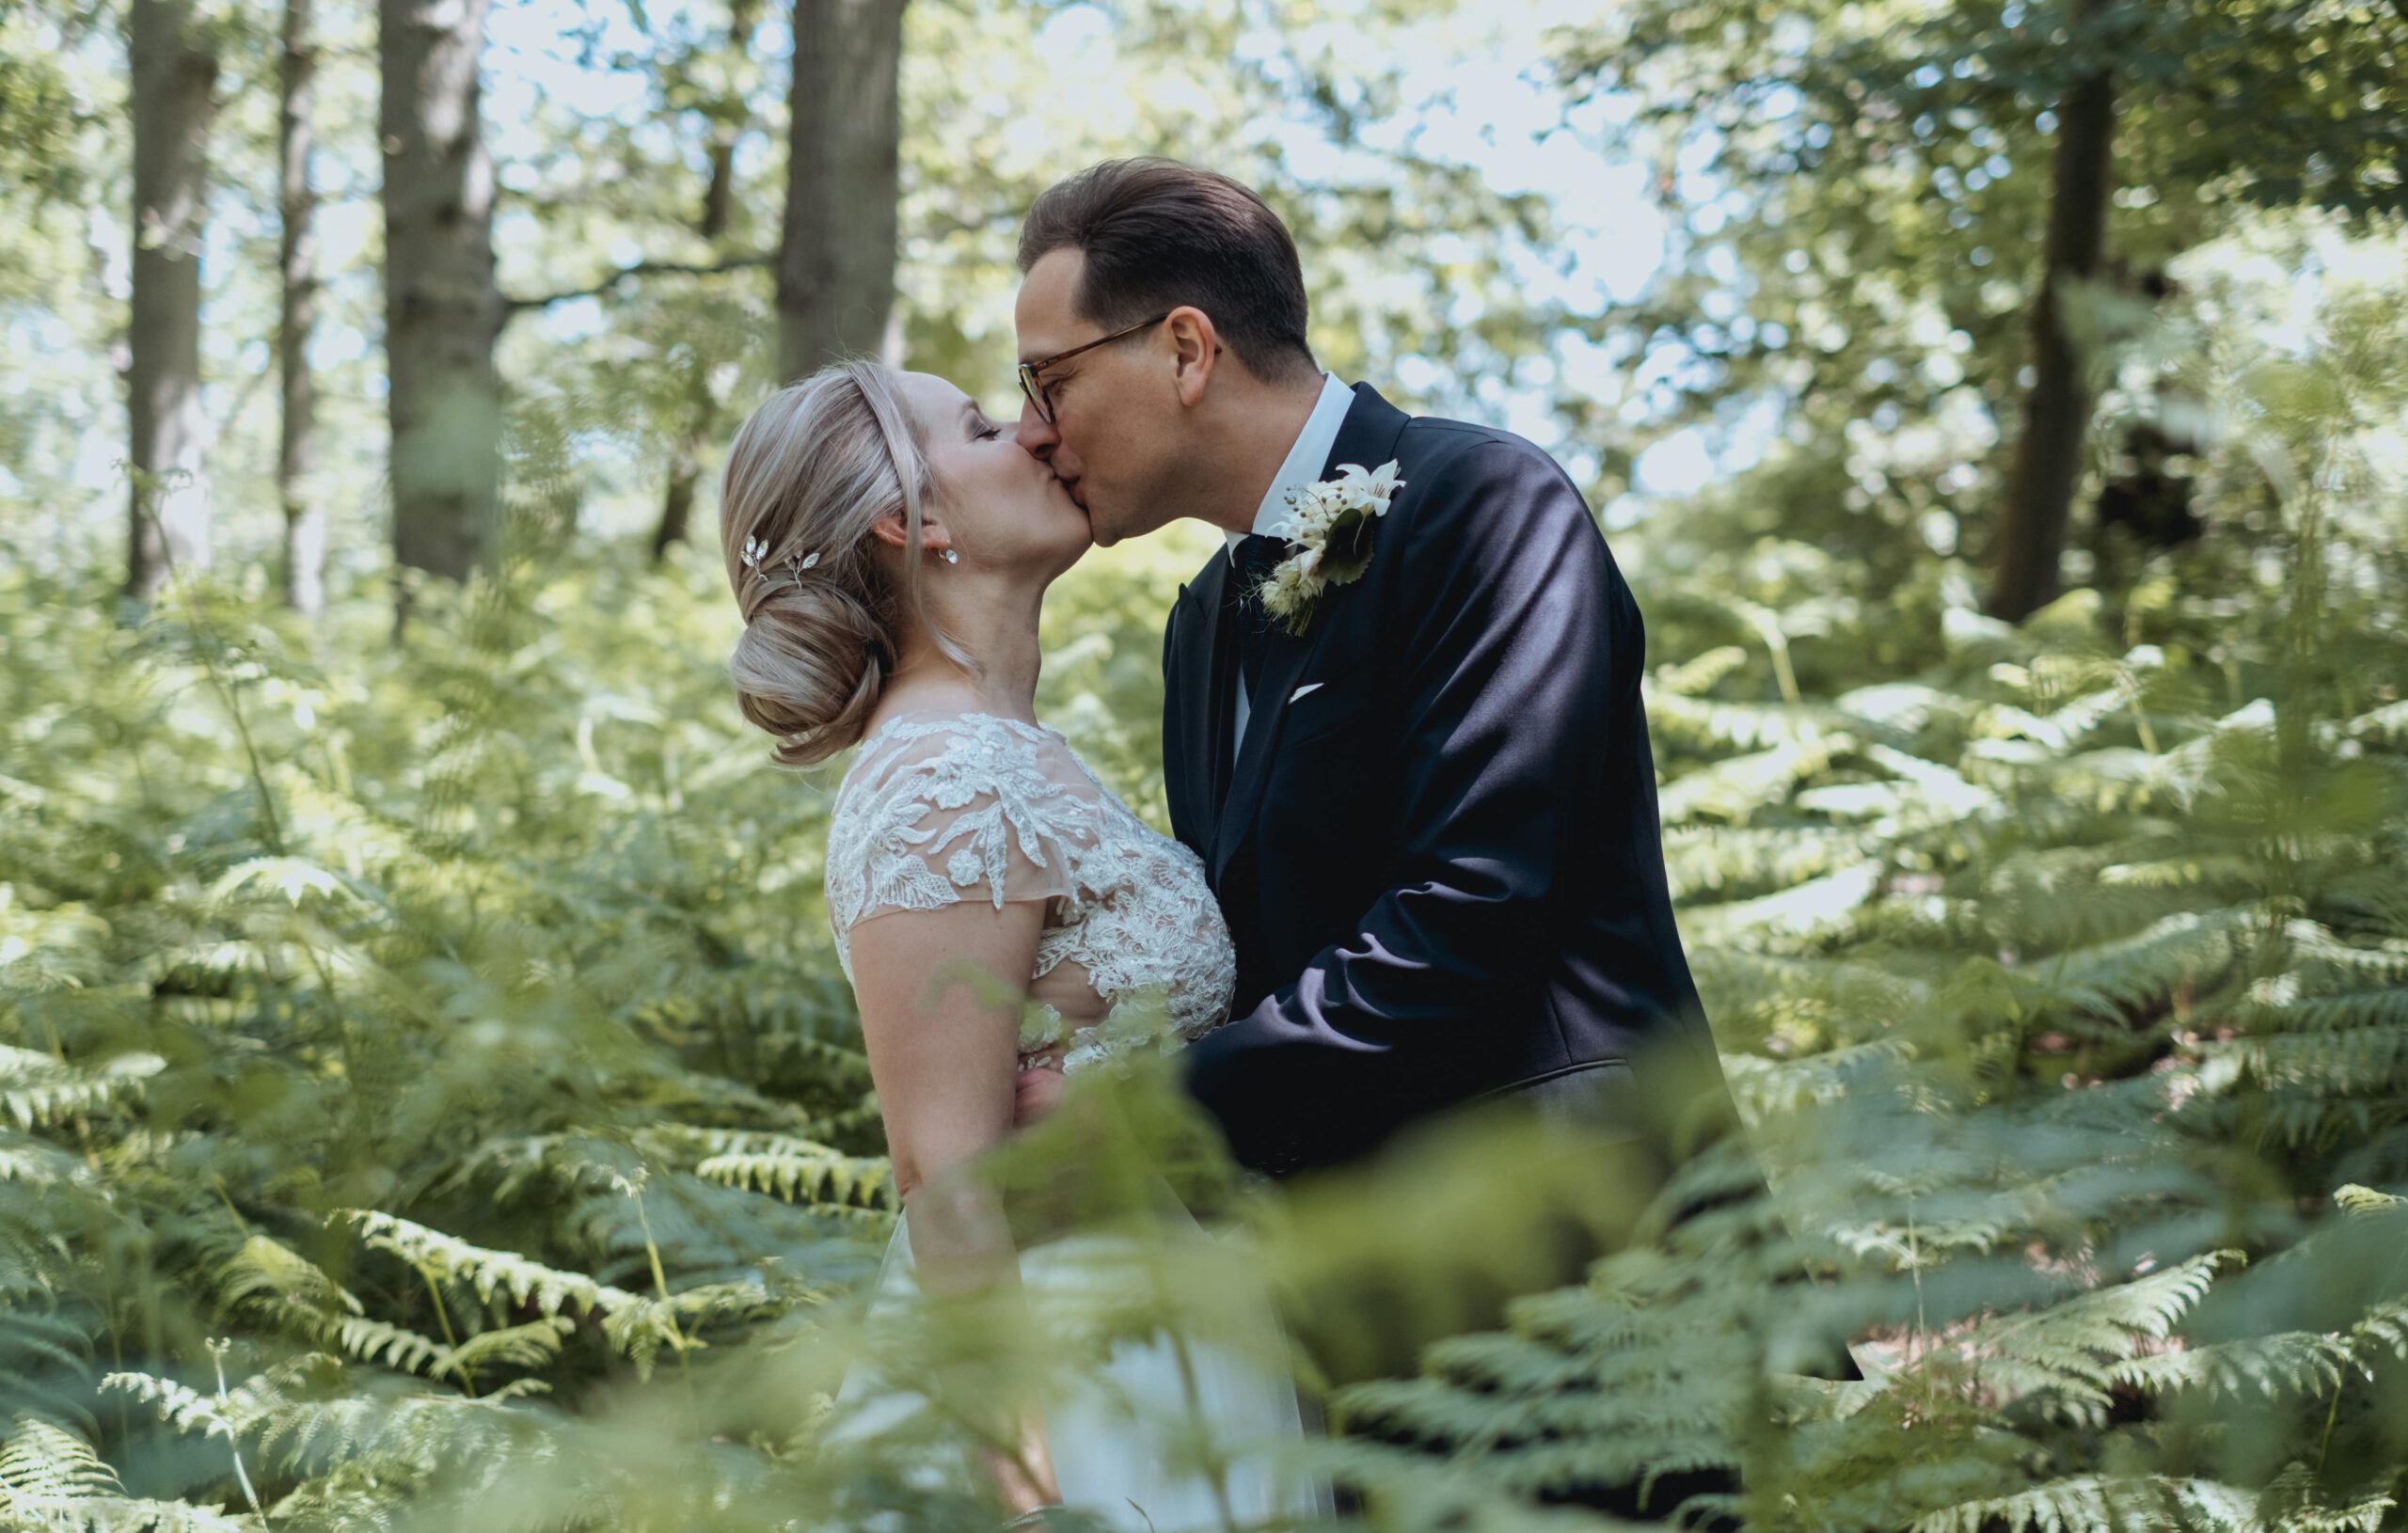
(1860, 192)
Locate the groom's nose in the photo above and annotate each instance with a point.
(1036, 434)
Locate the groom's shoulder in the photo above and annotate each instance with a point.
(1488, 496)
(1465, 453)
(1484, 474)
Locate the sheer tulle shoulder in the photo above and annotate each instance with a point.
(939, 811)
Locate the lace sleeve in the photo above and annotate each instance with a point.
(967, 808)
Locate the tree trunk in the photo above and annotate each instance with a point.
(719, 201)
(305, 516)
(2048, 457)
(836, 259)
(442, 310)
(175, 75)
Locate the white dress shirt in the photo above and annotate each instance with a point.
(1303, 467)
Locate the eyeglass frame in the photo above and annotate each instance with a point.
(1034, 391)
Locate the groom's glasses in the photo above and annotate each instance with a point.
(1035, 390)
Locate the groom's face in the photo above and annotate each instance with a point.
(1115, 408)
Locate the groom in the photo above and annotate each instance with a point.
(1426, 803)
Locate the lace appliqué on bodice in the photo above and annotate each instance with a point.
(976, 806)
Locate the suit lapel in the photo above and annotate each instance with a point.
(1368, 436)
(1281, 665)
(1195, 742)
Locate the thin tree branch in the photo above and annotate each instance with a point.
(512, 307)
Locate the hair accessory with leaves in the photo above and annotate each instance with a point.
(757, 549)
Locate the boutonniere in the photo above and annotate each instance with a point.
(1329, 539)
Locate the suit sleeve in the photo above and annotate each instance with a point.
(1514, 635)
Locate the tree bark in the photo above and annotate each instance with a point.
(2048, 456)
(305, 515)
(719, 203)
(175, 78)
(442, 309)
(836, 261)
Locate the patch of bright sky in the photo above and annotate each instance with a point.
(1478, 98)
(1489, 108)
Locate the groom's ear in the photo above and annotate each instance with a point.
(1196, 350)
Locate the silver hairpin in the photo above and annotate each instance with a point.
(757, 549)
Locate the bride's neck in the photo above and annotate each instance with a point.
(995, 627)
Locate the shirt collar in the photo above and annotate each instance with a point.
(1305, 459)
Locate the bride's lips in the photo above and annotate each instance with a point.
(1071, 488)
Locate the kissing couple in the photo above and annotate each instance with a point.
(1415, 861)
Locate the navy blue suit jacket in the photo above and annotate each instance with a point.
(1441, 864)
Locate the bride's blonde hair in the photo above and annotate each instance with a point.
(810, 472)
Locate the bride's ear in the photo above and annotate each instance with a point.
(934, 540)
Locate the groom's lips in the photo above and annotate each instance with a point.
(1071, 486)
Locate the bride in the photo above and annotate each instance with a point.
(889, 546)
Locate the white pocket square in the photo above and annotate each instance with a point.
(1309, 686)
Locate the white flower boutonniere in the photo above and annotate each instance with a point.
(1329, 536)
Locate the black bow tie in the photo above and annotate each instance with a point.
(1251, 562)
(1254, 557)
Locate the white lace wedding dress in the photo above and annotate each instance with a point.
(943, 807)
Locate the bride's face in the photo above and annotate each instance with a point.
(1002, 509)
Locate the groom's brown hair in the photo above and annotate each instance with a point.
(1157, 234)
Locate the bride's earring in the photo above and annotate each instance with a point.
(953, 556)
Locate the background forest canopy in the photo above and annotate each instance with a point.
(427, 1093)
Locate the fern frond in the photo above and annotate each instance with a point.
(1735, 787)
(2351, 1060)
(2360, 1201)
(58, 948)
(380, 1341)
(2292, 1363)
(569, 1162)
(1715, 859)
(2086, 1502)
(291, 880)
(802, 1172)
(533, 1345)
(1709, 725)
(2108, 979)
(1818, 906)
(263, 1267)
(33, 1161)
(181, 1406)
(526, 1280)
(1697, 676)
(42, 1461)
(2065, 1355)
(2384, 1328)
(1770, 1087)
(2280, 1007)
(36, 1090)
(2322, 961)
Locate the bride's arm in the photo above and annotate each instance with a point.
(943, 1053)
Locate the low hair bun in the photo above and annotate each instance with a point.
(809, 669)
(810, 473)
